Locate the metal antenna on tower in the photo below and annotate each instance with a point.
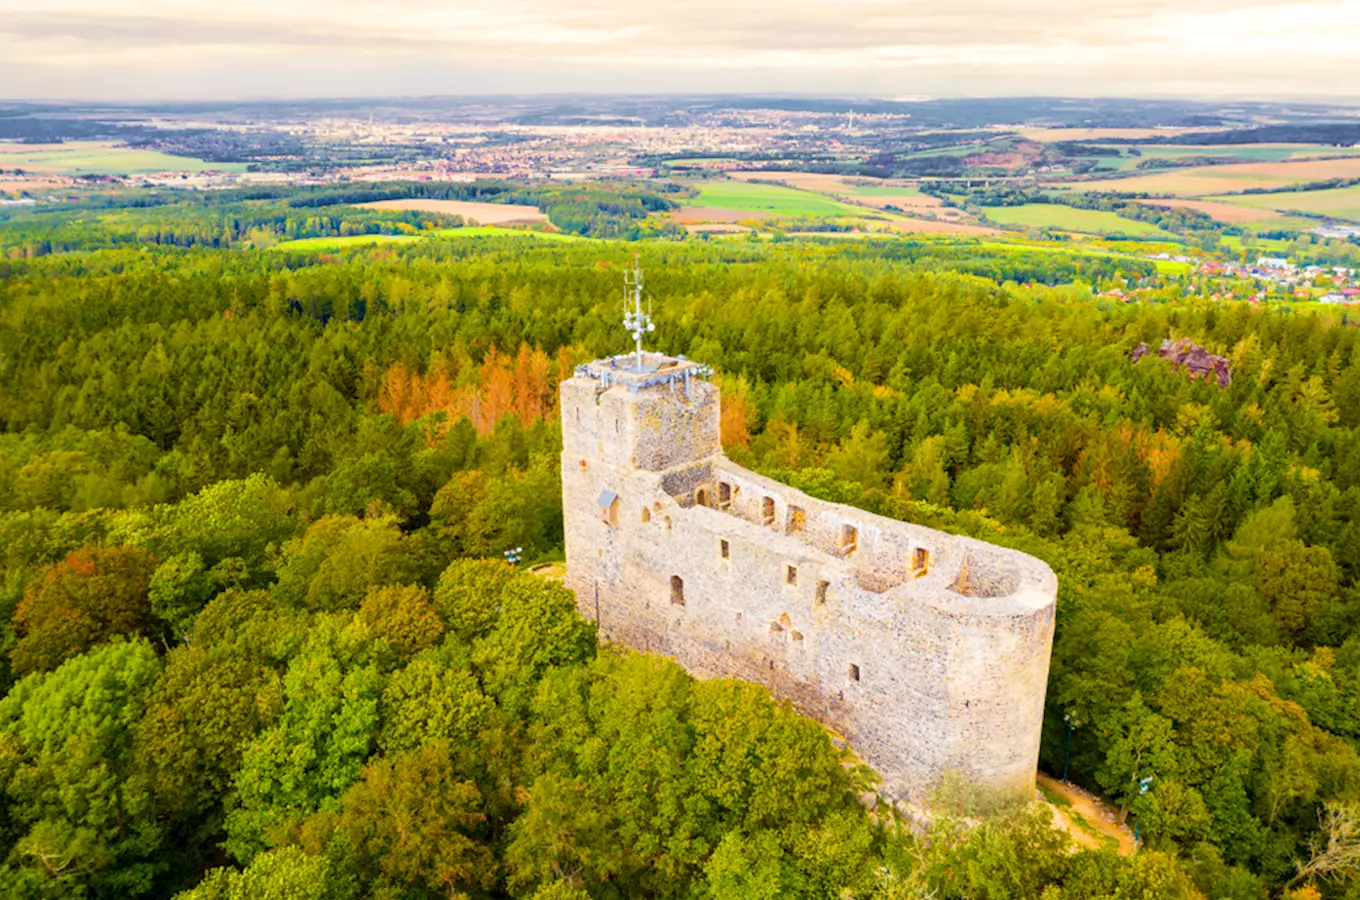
(635, 320)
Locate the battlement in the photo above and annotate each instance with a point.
(929, 652)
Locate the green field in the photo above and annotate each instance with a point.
(1240, 152)
(770, 199)
(84, 158)
(494, 231)
(1341, 203)
(1263, 245)
(341, 243)
(874, 190)
(358, 240)
(1067, 218)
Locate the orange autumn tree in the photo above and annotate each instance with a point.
(523, 385)
(91, 596)
(736, 411)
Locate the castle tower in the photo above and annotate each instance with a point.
(929, 653)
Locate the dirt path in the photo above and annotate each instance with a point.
(1090, 822)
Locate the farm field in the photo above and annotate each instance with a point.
(1052, 135)
(1342, 203)
(768, 199)
(902, 194)
(1164, 266)
(887, 190)
(1262, 245)
(1066, 218)
(476, 231)
(307, 245)
(700, 215)
(817, 182)
(929, 226)
(1254, 152)
(484, 213)
(1243, 152)
(1204, 180)
(1222, 210)
(100, 158)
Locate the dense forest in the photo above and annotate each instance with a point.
(259, 639)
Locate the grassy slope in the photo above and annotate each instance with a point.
(1089, 221)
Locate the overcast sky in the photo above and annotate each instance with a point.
(227, 49)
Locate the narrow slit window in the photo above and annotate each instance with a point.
(677, 590)
(582, 465)
(767, 511)
(920, 560)
(854, 672)
(791, 575)
(725, 549)
(821, 592)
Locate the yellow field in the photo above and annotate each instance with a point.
(484, 213)
(1223, 211)
(1205, 180)
(1341, 203)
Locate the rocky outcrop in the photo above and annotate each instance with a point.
(1200, 363)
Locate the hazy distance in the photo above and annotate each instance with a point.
(191, 49)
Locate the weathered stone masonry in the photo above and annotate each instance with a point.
(928, 652)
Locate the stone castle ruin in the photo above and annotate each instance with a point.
(928, 652)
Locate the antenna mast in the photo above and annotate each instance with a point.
(635, 320)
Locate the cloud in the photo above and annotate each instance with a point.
(876, 46)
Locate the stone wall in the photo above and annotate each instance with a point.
(928, 652)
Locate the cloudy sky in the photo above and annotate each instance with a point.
(211, 49)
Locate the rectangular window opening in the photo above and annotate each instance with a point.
(797, 520)
(791, 575)
(767, 511)
(849, 539)
(726, 549)
(677, 590)
(920, 561)
(724, 495)
(821, 592)
(854, 672)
